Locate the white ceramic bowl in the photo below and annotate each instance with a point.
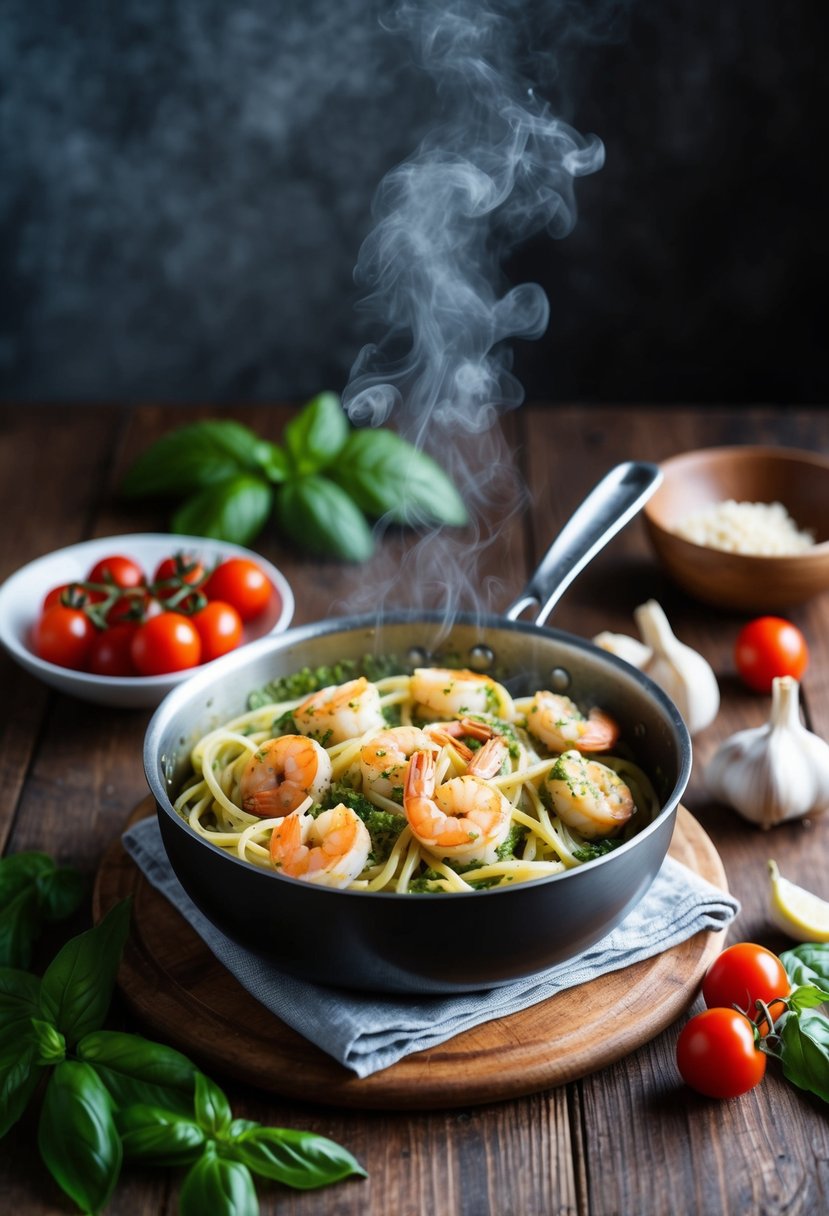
(22, 594)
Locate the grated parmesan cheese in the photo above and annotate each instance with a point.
(763, 529)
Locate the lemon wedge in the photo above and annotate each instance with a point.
(796, 911)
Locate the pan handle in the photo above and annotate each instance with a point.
(605, 511)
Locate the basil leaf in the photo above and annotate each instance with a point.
(386, 476)
(60, 893)
(240, 1125)
(808, 964)
(218, 1186)
(19, 870)
(77, 986)
(136, 1070)
(804, 1043)
(807, 996)
(321, 519)
(50, 1045)
(32, 889)
(192, 457)
(19, 996)
(19, 1003)
(298, 1159)
(19, 925)
(158, 1137)
(317, 434)
(19, 1078)
(233, 510)
(212, 1108)
(77, 1136)
(273, 461)
(19, 911)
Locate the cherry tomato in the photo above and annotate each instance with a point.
(167, 642)
(63, 636)
(122, 571)
(72, 595)
(219, 627)
(174, 571)
(242, 584)
(743, 974)
(181, 566)
(111, 653)
(717, 1055)
(769, 647)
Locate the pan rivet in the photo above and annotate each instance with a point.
(481, 658)
(417, 657)
(560, 679)
(640, 730)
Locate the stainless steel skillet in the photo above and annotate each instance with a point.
(437, 943)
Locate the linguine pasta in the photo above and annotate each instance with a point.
(534, 839)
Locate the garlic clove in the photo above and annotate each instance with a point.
(682, 673)
(775, 772)
(624, 647)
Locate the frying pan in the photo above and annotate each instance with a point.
(436, 943)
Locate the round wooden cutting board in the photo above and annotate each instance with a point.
(174, 984)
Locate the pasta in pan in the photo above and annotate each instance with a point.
(436, 781)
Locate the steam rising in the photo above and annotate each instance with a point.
(496, 169)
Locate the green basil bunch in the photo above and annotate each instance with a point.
(111, 1096)
(324, 485)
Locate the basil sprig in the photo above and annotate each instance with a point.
(803, 1029)
(110, 1097)
(324, 486)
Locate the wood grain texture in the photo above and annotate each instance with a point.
(626, 1138)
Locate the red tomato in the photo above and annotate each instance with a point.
(127, 608)
(72, 595)
(64, 636)
(743, 974)
(717, 1055)
(167, 642)
(180, 566)
(169, 576)
(111, 653)
(242, 584)
(769, 647)
(219, 627)
(122, 571)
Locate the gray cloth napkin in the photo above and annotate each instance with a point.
(367, 1031)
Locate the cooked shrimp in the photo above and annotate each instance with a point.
(282, 774)
(588, 796)
(340, 712)
(448, 734)
(464, 819)
(331, 850)
(487, 761)
(384, 760)
(558, 722)
(455, 693)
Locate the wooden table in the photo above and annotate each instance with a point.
(628, 1139)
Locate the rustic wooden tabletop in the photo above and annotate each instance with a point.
(629, 1138)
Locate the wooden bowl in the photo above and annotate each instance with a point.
(799, 480)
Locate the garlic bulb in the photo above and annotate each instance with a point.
(624, 647)
(774, 772)
(681, 672)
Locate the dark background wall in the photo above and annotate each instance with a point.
(185, 184)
